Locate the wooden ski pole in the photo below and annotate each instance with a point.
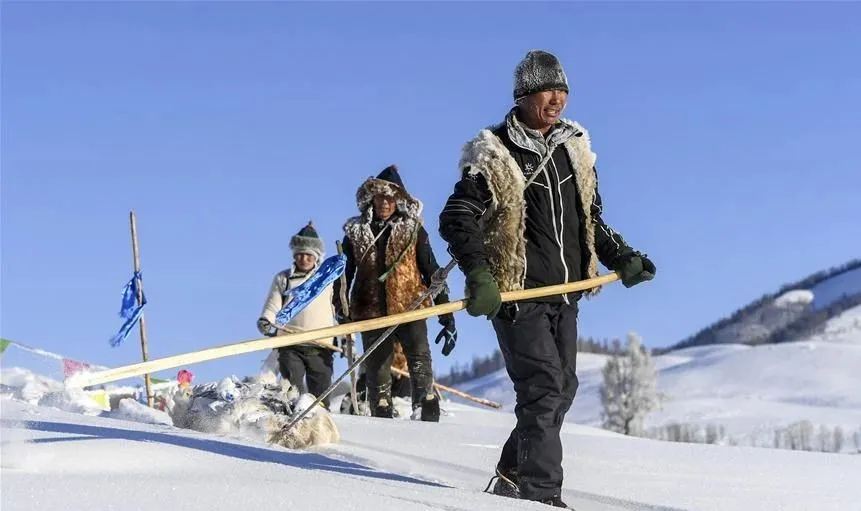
(349, 341)
(84, 379)
(142, 322)
(479, 400)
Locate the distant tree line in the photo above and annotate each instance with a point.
(710, 334)
(799, 436)
(480, 366)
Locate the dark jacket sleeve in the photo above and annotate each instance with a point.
(349, 272)
(459, 221)
(609, 244)
(428, 264)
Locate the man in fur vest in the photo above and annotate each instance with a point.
(526, 213)
(311, 360)
(389, 266)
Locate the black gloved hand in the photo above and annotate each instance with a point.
(448, 332)
(634, 268)
(266, 328)
(447, 320)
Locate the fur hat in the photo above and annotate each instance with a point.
(538, 71)
(389, 183)
(306, 241)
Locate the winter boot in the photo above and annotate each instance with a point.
(430, 409)
(383, 409)
(506, 484)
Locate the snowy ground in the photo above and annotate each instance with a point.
(748, 390)
(53, 459)
(61, 454)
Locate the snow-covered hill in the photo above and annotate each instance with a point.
(749, 390)
(791, 314)
(53, 459)
(832, 289)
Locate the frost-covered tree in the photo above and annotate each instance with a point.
(823, 440)
(838, 439)
(715, 434)
(629, 391)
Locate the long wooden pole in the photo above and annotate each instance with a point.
(84, 379)
(350, 343)
(142, 322)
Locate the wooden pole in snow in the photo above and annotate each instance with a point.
(142, 323)
(350, 343)
(241, 347)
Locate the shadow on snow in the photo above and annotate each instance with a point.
(304, 460)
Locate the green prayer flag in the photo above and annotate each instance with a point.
(4, 343)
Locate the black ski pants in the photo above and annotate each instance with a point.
(539, 344)
(413, 337)
(295, 362)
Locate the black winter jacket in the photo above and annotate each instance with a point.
(555, 239)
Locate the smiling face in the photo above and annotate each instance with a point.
(543, 109)
(384, 207)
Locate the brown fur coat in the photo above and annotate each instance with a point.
(403, 285)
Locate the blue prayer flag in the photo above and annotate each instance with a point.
(129, 310)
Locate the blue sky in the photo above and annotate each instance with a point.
(726, 136)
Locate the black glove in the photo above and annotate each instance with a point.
(266, 328)
(634, 268)
(447, 320)
(448, 332)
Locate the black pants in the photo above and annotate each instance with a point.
(414, 339)
(297, 361)
(539, 344)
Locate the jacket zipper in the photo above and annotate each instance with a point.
(557, 236)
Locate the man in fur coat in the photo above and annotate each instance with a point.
(526, 213)
(389, 266)
(311, 360)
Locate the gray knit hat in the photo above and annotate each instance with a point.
(538, 71)
(306, 241)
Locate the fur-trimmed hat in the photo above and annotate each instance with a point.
(538, 71)
(306, 241)
(389, 183)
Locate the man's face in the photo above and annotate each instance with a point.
(543, 109)
(384, 206)
(304, 262)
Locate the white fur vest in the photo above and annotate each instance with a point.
(504, 223)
